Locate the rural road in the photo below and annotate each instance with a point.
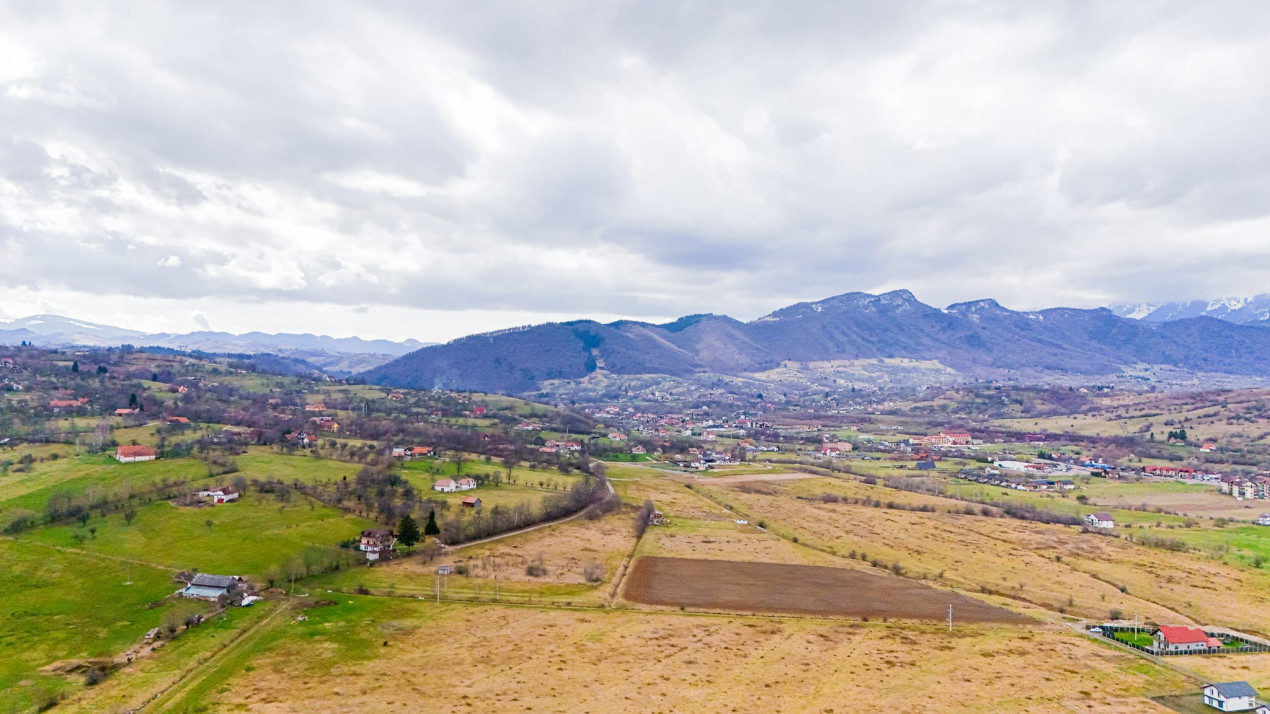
(172, 693)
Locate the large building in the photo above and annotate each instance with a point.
(131, 454)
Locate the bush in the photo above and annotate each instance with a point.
(1116, 614)
(536, 570)
(593, 572)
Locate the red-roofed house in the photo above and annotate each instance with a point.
(445, 485)
(1182, 639)
(132, 454)
(472, 501)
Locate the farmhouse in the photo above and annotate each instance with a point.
(1183, 639)
(210, 587)
(1230, 696)
(376, 541)
(177, 420)
(220, 494)
(471, 501)
(326, 423)
(1100, 520)
(126, 412)
(445, 485)
(132, 454)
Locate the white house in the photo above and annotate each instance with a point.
(465, 484)
(132, 454)
(1100, 520)
(445, 485)
(220, 494)
(376, 541)
(1184, 639)
(1230, 696)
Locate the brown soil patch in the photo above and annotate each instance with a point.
(799, 589)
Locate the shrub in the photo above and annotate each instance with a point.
(593, 572)
(536, 570)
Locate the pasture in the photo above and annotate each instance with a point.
(366, 654)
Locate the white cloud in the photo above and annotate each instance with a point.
(623, 160)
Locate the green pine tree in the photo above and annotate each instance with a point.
(432, 529)
(407, 531)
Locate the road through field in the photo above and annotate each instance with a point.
(175, 693)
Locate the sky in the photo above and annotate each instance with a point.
(429, 170)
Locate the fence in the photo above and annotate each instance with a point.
(1109, 631)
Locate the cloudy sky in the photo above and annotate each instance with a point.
(432, 169)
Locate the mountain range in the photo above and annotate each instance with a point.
(337, 356)
(979, 338)
(1248, 310)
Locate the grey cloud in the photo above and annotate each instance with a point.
(636, 158)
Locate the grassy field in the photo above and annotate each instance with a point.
(75, 475)
(364, 654)
(61, 605)
(1055, 567)
(247, 537)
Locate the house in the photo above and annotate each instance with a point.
(617, 436)
(1100, 520)
(204, 586)
(304, 438)
(6, 362)
(1230, 696)
(220, 494)
(178, 420)
(132, 454)
(396, 396)
(445, 485)
(1183, 639)
(444, 569)
(399, 452)
(376, 541)
(326, 423)
(465, 484)
(926, 465)
(1066, 485)
(1208, 446)
(638, 450)
(315, 407)
(471, 501)
(126, 412)
(417, 451)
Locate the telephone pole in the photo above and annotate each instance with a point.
(950, 617)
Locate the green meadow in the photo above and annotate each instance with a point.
(59, 605)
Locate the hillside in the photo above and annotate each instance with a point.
(979, 338)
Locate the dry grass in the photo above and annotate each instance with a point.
(498, 659)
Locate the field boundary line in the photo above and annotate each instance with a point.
(184, 680)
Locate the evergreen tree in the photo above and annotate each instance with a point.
(407, 531)
(75, 366)
(432, 529)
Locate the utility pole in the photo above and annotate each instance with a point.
(950, 617)
(436, 584)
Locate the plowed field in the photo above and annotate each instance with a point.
(799, 589)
